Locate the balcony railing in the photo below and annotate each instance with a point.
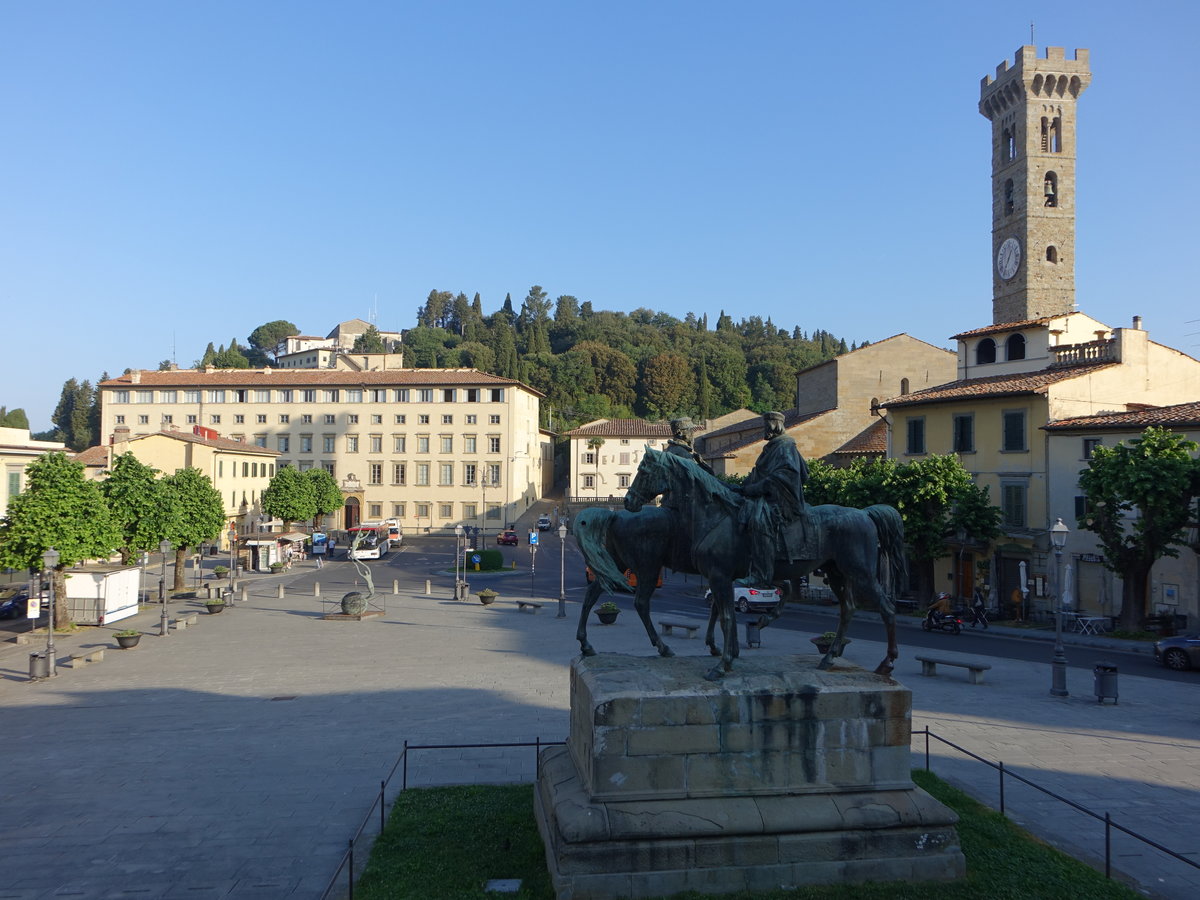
(1085, 353)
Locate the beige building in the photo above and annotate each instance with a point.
(18, 450)
(1040, 362)
(836, 417)
(240, 472)
(1174, 581)
(431, 447)
(604, 456)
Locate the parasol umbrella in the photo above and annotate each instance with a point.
(1067, 600)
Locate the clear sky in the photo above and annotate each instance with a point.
(176, 173)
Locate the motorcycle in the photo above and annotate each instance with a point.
(936, 620)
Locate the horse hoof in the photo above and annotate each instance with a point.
(884, 668)
(713, 651)
(716, 673)
(664, 650)
(826, 662)
(588, 651)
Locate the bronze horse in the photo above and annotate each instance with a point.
(858, 550)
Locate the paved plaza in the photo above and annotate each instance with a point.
(234, 759)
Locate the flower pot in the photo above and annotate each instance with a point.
(214, 608)
(486, 596)
(607, 618)
(128, 641)
(823, 645)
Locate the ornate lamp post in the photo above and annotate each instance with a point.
(562, 555)
(50, 560)
(164, 547)
(1058, 662)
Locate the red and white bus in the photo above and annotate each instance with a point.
(367, 541)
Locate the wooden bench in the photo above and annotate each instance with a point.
(975, 670)
(669, 628)
(529, 605)
(83, 657)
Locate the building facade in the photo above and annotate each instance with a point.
(18, 450)
(433, 448)
(604, 456)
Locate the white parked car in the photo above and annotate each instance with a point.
(749, 599)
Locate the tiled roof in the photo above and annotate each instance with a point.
(791, 419)
(259, 378)
(218, 443)
(1000, 328)
(1182, 415)
(622, 428)
(871, 440)
(92, 456)
(995, 385)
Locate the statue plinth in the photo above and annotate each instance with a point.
(780, 774)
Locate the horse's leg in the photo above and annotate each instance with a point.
(846, 612)
(709, 635)
(722, 591)
(641, 602)
(887, 610)
(589, 600)
(768, 617)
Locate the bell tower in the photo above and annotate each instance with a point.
(1031, 105)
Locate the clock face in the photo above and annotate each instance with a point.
(1008, 258)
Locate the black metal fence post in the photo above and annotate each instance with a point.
(1002, 788)
(1107, 845)
(382, 818)
(350, 870)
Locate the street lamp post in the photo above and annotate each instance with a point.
(50, 560)
(458, 535)
(1058, 663)
(232, 563)
(164, 548)
(562, 569)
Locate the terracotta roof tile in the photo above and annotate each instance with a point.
(995, 385)
(622, 428)
(1182, 415)
(1000, 328)
(92, 456)
(871, 440)
(791, 419)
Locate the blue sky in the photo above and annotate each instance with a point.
(181, 172)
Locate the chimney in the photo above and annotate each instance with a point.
(1137, 323)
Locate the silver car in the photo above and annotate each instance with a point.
(1180, 652)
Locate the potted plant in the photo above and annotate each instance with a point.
(486, 596)
(215, 605)
(127, 639)
(277, 567)
(220, 571)
(606, 612)
(825, 641)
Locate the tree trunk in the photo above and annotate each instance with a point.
(62, 611)
(180, 581)
(1133, 597)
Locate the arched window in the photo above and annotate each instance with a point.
(1051, 254)
(1045, 134)
(903, 385)
(1009, 139)
(985, 352)
(1056, 143)
(1009, 200)
(1014, 347)
(1050, 189)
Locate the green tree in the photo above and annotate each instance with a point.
(369, 341)
(667, 385)
(59, 508)
(13, 418)
(131, 491)
(326, 493)
(269, 337)
(1139, 501)
(290, 496)
(75, 416)
(193, 512)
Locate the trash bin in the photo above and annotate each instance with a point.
(753, 636)
(39, 665)
(1106, 682)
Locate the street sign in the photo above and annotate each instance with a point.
(475, 558)
(533, 538)
(34, 609)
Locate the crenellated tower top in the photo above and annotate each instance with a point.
(1031, 105)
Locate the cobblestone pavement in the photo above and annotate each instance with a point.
(234, 759)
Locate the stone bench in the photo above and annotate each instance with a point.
(83, 657)
(975, 670)
(669, 628)
(186, 621)
(529, 605)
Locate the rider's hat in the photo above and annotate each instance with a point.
(682, 424)
(773, 417)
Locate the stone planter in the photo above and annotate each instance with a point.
(487, 596)
(606, 618)
(823, 645)
(128, 641)
(214, 608)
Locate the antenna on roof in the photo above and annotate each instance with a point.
(1031, 40)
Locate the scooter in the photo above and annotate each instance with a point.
(936, 620)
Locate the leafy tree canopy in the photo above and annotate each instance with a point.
(269, 337)
(131, 491)
(326, 493)
(13, 418)
(290, 496)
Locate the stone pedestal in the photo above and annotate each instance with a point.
(779, 775)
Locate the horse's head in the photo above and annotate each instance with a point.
(649, 482)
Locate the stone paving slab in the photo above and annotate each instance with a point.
(235, 758)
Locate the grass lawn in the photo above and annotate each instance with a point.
(447, 842)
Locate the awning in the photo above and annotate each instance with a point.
(293, 536)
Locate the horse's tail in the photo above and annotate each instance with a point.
(591, 530)
(890, 528)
